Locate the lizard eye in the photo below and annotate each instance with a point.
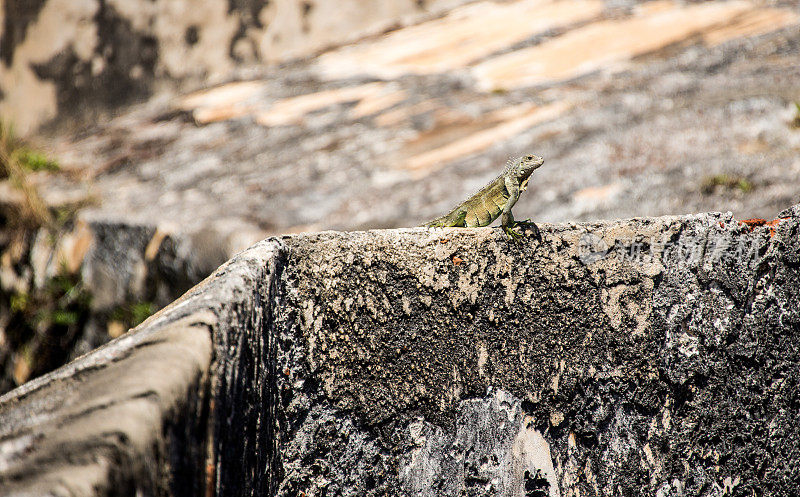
(528, 157)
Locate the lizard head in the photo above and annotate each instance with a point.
(522, 167)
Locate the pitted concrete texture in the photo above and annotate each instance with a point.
(613, 346)
(659, 121)
(653, 356)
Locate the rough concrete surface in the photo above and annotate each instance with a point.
(113, 267)
(644, 355)
(132, 417)
(654, 356)
(639, 109)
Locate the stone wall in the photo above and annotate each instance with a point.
(654, 356)
(65, 292)
(70, 58)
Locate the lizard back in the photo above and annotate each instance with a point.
(478, 210)
(493, 199)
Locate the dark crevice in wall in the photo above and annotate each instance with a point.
(187, 441)
(18, 15)
(192, 35)
(120, 72)
(249, 12)
(245, 436)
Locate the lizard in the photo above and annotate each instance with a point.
(495, 200)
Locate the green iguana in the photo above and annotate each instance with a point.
(495, 200)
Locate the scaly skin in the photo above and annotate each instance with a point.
(494, 200)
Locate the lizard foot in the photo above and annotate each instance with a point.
(516, 236)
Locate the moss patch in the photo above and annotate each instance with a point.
(796, 121)
(16, 161)
(721, 182)
(132, 314)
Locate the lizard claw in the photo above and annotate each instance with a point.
(516, 236)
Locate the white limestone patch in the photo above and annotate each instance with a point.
(494, 450)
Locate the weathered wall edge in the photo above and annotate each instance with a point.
(203, 393)
(134, 415)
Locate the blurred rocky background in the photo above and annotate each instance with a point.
(146, 141)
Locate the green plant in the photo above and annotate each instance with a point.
(15, 162)
(62, 317)
(796, 120)
(43, 323)
(141, 311)
(133, 313)
(711, 184)
(36, 161)
(19, 302)
(63, 301)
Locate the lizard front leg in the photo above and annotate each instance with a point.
(512, 187)
(506, 218)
